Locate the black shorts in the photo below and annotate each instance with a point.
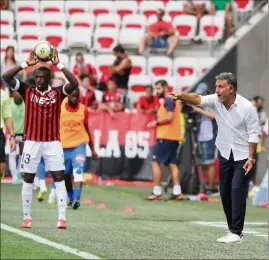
(2, 146)
(165, 151)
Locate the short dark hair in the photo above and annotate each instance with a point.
(162, 82)
(229, 77)
(113, 80)
(149, 87)
(161, 10)
(119, 48)
(79, 54)
(83, 76)
(46, 70)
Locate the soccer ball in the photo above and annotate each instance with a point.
(44, 51)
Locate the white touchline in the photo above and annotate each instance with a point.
(45, 241)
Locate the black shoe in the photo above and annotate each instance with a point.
(70, 203)
(76, 205)
(176, 197)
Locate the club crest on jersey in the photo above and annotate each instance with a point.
(49, 99)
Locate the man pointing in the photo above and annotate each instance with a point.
(238, 132)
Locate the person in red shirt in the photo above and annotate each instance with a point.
(148, 103)
(84, 68)
(160, 35)
(87, 95)
(113, 99)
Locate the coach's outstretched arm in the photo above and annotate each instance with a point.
(190, 98)
(73, 83)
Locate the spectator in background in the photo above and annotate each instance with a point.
(121, 68)
(4, 4)
(9, 61)
(261, 111)
(113, 99)
(223, 6)
(84, 68)
(197, 8)
(161, 34)
(148, 103)
(206, 137)
(87, 95)
(57, 81)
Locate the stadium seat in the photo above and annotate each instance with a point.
(4, 43)
(171, 81)
(203, 64)
(108, 21)
(123, 9)
(23, 56)
(28, 19)
(174, 8)
(185, 66)
(27, 46)
(26, 6)
(102, 63)
(56, 36)
(242, 5)
(73, 7)
(211, 27)
(149, 8)
(101, 7)
(130, 37)
(184, 84)
(160, 66)
(88, 58)
(29, 33)
(6, 18)
(185, 26)
(153, 19)
(79, 37)
(6, 32)
(105, 39)
(64, 58)
(134, 21)
(52, 6)
(138, 83)
(139, 65)
(83, 20)
(52, 19)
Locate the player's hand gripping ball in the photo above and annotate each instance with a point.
(44, 51)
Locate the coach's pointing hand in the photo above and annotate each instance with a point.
(31, 60)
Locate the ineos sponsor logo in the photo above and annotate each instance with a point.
(46, 100)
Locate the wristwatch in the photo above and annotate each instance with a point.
(253, 160)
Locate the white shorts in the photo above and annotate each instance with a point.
(51, 152)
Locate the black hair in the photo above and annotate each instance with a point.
(46, 70)
(161, 10)
(119, 48)
(162, 82)
(79, 54)
(229, 77)
(83, 76)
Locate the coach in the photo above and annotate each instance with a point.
(238, 135)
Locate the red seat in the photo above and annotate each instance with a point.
(211, 31)
(185, 71)
(159, 71)
(105, 42)
(136, 70)
(183, 30)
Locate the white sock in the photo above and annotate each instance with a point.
(157, 190)
(27, 195)
(177, 189)
(61, 196)
(43, 186)
(53, 193)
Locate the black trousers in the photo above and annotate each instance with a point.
(233, 190)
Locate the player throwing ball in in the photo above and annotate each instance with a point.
(42, 131)
(75, 135)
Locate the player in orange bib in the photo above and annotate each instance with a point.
(75, 135)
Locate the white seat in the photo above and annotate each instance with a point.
(211, 27)
(28, 19)
(153, 19)
(101, 7)
(204, 64)
(130, 37)
(4, 43)
(242, 6)
(6, 32)
(105, 39)
(56, 36)
(123, 9)
(64, 59)
(52, 19)
(82, 20)
(102, 62)
(6, 18)
(184, 84)
(29, 33)
(185, 66)
(139, 65)
(174, 8)
(27, 46)
(160, 66)
(137, 21)
(171, 81)
(185, 26)
(149, 8)
(55, 6)
(79, 37)
(23, 56)
(73, 7)
(88, 59)
(138, 83)
(26, 6)
(108, 21)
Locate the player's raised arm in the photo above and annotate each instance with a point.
(73, 83)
